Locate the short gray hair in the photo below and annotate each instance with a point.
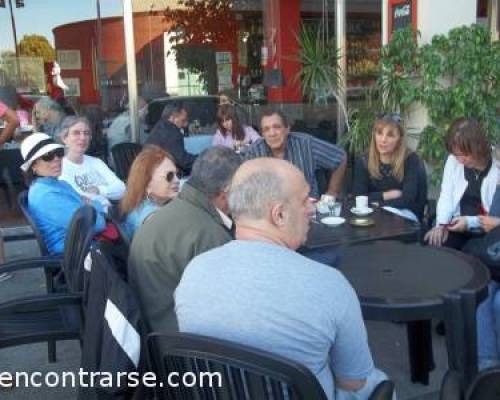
(252, 197)
(214, 168)
(69, 122)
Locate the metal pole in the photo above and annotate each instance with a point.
(493, 18)
(13, 22)
(340, 24)
(385, 22)
(128, 27)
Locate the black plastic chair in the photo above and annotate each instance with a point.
(244, 372)
(486, 385)
(10, 173)
(123, 156)
(52, 316)
(22, 201)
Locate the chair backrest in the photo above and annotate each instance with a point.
(238, 372)
(486, 385)
(123, 156)
(77, 245)
(22, 201)
(422, 189)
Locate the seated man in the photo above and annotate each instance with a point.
(167, 134)
(194, 222)
(256, 290)
(304, 151)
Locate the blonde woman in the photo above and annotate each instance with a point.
(389, 173)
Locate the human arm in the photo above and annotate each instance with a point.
(251, 135)
(350, 356)
(218, 139)
(331, 157)
(407, 196)
(9, 116)
(113, 188)
(488, 223)
(444, 211)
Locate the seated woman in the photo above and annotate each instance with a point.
(468, 186)
(88, 175)
(389, 173)
(231, 132)
(47, 115)
(51, 202)
(152, 182)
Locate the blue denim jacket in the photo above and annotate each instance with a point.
(52, 203)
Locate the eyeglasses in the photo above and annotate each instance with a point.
(84, 132)
(170, 176)
(390, 116)
(53, 154)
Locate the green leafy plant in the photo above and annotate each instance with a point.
(456, 75)
(319, 57)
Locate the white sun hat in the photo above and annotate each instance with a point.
(35, 146)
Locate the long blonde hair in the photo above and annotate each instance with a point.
(398, 157)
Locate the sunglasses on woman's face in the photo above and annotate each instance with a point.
(170, 176)
(53, 154)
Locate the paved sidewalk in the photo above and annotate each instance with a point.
(387, 340)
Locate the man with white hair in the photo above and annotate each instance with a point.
(257, 291)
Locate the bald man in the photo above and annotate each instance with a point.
(258, 291)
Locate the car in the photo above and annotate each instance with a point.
(200, 108)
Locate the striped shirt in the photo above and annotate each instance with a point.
(306, 152)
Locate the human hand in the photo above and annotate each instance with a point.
(92, 190)
(392, 194)
(436, 236)
(458, 224)
(488, 223)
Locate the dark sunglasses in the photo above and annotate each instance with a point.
(170, 176)
(53, 154)
(391, 116)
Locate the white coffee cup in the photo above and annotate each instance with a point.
(361, 202)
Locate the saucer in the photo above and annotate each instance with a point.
(362, 222)
(332, 221)
(361, 211)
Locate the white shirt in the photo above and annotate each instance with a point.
(453, 188)
(93, 172)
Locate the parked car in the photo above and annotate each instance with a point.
(202, 109)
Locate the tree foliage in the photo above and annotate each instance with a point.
(202, 21)
(36, 46)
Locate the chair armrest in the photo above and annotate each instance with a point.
(383, 391)
(452, 387)
(40, 302)
(50, 264)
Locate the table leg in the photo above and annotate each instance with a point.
(420, 350)
(469, 307)
(455, 338)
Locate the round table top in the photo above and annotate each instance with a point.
(394, 272)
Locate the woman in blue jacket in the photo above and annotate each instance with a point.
(51, 202)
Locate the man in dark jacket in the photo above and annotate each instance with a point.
(168, 135)
(192, 223)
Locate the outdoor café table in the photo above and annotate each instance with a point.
(387, 226)
(398, 281)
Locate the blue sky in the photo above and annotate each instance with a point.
(41, 16)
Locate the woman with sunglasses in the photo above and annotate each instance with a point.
(231, 132)
(467, 188)
(88, 175)
(389, 173)
(152, 182)
(51, 202)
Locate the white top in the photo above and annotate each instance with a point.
(453, 188)
(93, 172)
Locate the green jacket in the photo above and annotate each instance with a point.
(164, 245)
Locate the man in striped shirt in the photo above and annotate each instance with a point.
(304, 151)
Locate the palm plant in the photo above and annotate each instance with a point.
(319, 76)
